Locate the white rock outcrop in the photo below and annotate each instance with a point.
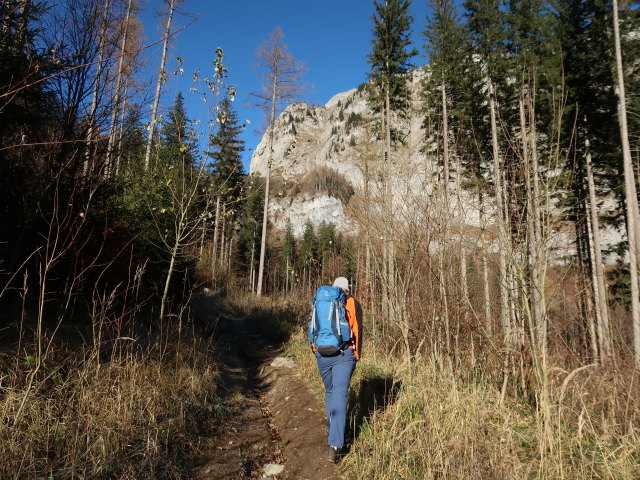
(341, 137)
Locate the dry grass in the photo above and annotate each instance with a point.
(436, 429)
(136, 413)
(140, 413)
(431, 420)
(322, 179)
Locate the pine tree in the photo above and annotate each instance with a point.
(226, 148)
(18, 61)
(169, 184)
(24, 109)
(535, 61)
(390, 61)
(288, 256)
(251, 225)
(589, 130)
(390, 58)
(308, 251)
(587, 50)
(530, 58)
(630, 43)
(326, 243)
(486, 27)
(226, 177)
(447, 47)
(133, 140)
(177, 140)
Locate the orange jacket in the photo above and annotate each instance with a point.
(354, 316)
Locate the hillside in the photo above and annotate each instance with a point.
(311, 141)
(323, 155)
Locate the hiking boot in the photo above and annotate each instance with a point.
(332, 454)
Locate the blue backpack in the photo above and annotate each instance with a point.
(328, 328)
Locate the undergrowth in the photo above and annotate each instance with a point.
(126, 409)
(432, 418)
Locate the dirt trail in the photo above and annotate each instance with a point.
(275, 420)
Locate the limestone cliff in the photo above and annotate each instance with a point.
(325, 154)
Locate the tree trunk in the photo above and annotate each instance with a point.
(463, 275)
(591, 288)
(385, 248)
(487, 290)
(443, 281)
(599, 287)
(118, 98)
(502, 232)
(223, 236)
(159, 82)
(286, 283)
(389, 238)
(633, 221)
(485, 268)
(121, 128)
(536, 318)
(96, 87)
(540, 264)
(595, 328)
(463, 248)
(445, 143)
(203, 231)
(214, 249)
(445, 301)
(252, 272)
(25, 6)
(263, 241)
(165, 292)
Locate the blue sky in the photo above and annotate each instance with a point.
(331, 36)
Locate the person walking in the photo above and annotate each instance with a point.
(335, 370)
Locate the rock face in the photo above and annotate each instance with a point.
(323, 154)
(307, 137)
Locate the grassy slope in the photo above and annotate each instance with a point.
(142, 412)
(427, 420)
(128, 407)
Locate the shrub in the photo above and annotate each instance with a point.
(353, 121)
(129, 412)
(333, 183)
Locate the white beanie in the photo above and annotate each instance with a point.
(341, 282)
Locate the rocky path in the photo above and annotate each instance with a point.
(276, 428)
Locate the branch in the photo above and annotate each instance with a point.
(75, 67)
(53, 142)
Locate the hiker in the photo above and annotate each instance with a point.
(337, 348)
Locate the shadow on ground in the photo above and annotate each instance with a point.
(247, 440)
(274, 418)
(372, 394)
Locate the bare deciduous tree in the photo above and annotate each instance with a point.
(281, 84)
(633, 222)
(97, 81)
(600, 292)
(118, 96)
(159, 82)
